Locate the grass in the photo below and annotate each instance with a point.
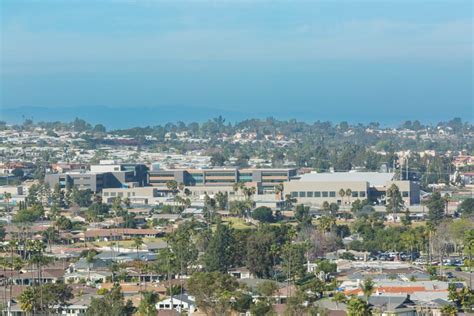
(237, 223)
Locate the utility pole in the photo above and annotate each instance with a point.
(406, 173)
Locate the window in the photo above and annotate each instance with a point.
(294, 194)
(302, 194)
(332, 194)
(317, 194)
(355, 194)
(405, 194)
(362, 194)
(120, 194)
(106, 193)
(113, 194)
(325, 194)
(309, 194)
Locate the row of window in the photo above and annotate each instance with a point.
(318, 194)
(119, 194)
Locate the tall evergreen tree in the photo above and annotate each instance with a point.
(218, 254)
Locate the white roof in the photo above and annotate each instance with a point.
(374, 178)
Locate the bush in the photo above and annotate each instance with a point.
(263, 214)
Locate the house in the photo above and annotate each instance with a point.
(180, 303)
(393, 305)
(92, 276)
(241, 273)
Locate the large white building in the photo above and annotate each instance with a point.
(317, 188)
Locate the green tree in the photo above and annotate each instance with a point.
(368, 287)
(466, 207)
(111, 304)
(394, 202)
(259, 257)
(435, 206)
(293, 260)
(219, 251)
(213, 291)
(137, 242)
(148, 302)
(358, 307)
(263, 214)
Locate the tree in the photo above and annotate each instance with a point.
(148, 302)
(219, 251)
(137, 242)
(18, 172)
(90, 260)
(449, 310)
(183, 247)
(394, 200)
(302, 214)
(466, 207)
(111, 304)
(358, 307)
(213, 291)
(218, 159)
(349, 195)
(293, 260)
(259, 257)
(289, 201)
(339, 298)
(342, 193)
(172, 185)
(368, 287)
(222, 200)
(51, 235)
(263, 214)
(435, 206)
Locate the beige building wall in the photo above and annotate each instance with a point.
(316, 193)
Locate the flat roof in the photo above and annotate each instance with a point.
(374, 178)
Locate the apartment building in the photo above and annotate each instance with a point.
(317, 188)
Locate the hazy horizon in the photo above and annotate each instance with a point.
(344, 60)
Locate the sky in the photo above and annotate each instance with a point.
(337, 60)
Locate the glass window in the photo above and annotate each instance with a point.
(405, 194)
(332, 194)
(302, 194)
(294, 194)
(106, 193)
(317, 194)
(309, 194)
(362, 194)
(355, 194)
(325, 194)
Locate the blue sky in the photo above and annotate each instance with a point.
(355, 60)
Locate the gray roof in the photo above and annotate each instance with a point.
(374, 178)
(391, 302)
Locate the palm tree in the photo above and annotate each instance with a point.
(89, 259)
(368, 288)
(349, 195)
(342, 193)
(126, 201)
(289, 201)
(172, 185)
(358, 307)
(339, 298)
(279, 191)
(51, 235)
(326, 222)
(137, 243)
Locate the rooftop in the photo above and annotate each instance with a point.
(374, 178)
